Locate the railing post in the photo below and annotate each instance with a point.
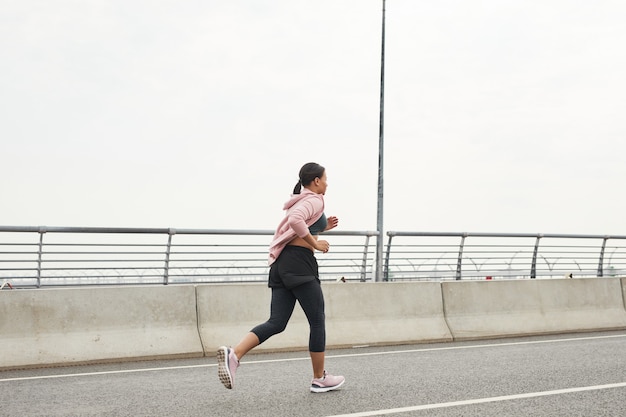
(166, 272)
(364, 263)
(533, 266)
(386, 267)
(459, 261)
(42, 231)
(601, 260)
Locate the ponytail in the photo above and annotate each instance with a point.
(298, 187)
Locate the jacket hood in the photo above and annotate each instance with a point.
(306, 193)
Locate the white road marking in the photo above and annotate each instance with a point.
(349, 355)
(482, 400)
(481, 346)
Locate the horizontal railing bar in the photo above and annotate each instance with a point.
(108, 230)
(18, 269)
(105, 245)
(45, 253)
(529, 235)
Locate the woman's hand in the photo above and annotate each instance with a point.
(322, 245)
(332, 223)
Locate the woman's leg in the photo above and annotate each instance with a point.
(249, 342)
(281, 308)
(317, 360)
(311, 299)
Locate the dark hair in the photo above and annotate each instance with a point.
(307, 175)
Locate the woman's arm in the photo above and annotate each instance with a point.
(333, 221)
(320, 245)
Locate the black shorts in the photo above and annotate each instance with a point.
(295, 266)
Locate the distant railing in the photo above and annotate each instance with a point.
(73, 256)
(455, 256)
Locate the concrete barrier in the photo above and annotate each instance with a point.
(483, 309)
(65, 326)
(77, 325)
(356, 314)
(384, 313)
(227, 312)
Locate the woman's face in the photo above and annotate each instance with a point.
(321, 184)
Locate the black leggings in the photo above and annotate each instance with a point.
(311, 299)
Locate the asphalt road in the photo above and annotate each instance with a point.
(564, 375)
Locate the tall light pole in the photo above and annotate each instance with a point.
(379, 218)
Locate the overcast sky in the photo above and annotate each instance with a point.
(500, 116)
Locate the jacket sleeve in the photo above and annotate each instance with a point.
(308, 210)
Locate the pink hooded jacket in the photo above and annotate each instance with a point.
(303, 210)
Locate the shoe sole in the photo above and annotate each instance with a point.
(326, 389)
(222, 368)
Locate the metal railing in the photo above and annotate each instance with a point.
(66, 256)
(455, 256)
(69, 256)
